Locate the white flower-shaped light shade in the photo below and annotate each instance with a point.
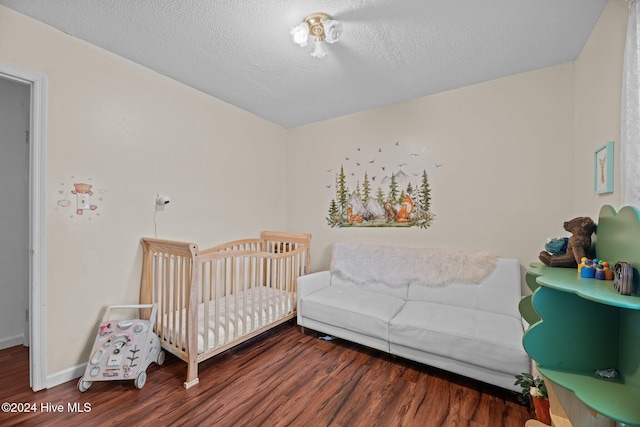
(319, 51)
(332, 30)
(300, 34)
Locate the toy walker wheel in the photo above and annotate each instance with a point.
(83, 385)
(160, 359)
(140, 380)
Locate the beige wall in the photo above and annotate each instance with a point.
(133, 133)
(516, 155)
(506, 147)
(598, 80)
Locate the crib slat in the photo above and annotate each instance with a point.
(228, 280)
(161, 258)
(215, 294)
(206, 297)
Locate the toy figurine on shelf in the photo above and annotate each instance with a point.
(586, 268)
(595, 268)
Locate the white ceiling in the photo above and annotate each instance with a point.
(240, 51)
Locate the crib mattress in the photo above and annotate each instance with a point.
(236, 315)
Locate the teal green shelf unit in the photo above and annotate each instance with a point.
(583, 325)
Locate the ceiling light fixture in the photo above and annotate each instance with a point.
(320, 26)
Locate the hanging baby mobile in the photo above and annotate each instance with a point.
(381, 187)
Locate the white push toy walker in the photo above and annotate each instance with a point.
(123, 349)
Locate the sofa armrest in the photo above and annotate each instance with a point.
(309, 284)
(313, 282)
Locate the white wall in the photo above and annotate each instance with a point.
(133, 133)
(14, 190)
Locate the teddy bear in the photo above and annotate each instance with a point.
(578, 245)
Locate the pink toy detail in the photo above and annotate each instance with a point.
(105, 329)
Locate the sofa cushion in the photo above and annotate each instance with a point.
(352, 308)
(498, 293)
(482, 338)
(398, 292)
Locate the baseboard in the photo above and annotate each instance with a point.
(66, 375)
(11, 341)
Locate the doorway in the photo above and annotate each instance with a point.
(37, 128)
(14, 211)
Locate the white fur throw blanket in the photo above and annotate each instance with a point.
(397, 267)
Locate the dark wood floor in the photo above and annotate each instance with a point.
(282, 378)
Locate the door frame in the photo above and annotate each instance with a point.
(37, 217)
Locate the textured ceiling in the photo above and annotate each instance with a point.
(240, 51)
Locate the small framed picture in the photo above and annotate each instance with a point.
(603, 169)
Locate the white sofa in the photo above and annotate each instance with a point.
(472, 329)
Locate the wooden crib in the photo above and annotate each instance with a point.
(211, 300)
